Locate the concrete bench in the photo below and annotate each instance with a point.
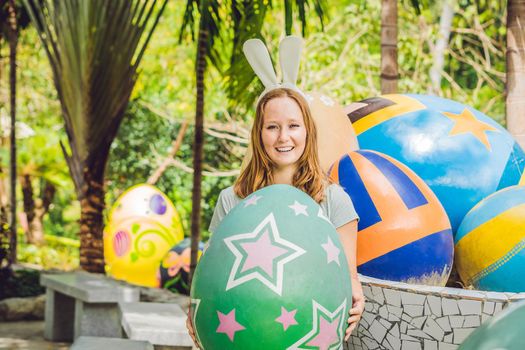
(97, 343)
(83, 304)
(161, 324)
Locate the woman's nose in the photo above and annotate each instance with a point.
(283, 135)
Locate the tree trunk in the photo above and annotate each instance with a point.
(91, 221)
(13, 41)
(445, 23)
(35, 210)
(515, 85)
(198, 143)
(389, 67)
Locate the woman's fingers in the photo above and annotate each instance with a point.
(349, 331)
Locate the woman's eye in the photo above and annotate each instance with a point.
(269, 127)
(294, 125)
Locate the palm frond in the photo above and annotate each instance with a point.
(94, 49)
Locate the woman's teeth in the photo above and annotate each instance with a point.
(284, 149)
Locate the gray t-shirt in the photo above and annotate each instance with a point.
(337, 206)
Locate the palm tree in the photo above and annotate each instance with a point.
(247, 18)
(13, 42)
(515, 84)
(94, 49)
(389, 66)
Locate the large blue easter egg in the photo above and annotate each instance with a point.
(490, 243)
(403, 233)
(273, 277)
(462, 154)
(504, 331)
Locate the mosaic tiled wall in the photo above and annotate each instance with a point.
(411, 317)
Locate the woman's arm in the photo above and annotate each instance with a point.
(348, 237)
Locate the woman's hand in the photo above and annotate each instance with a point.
(191, 331)
(358, 306)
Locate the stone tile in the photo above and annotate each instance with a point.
(396, 311)
(386, 345)
(404, 327)
(355, 340)
(461, 334)
(395, 342)
(469, 307)
(412, 299)
(445, 346)
(383, 312)
(406, 318)
(411, 345)
(498, 307)
(456, 321)
(473, 294)
(367, 291)
(395, 330)
(432, 328)
(393, 318)
(428, 312)
(375, 308)
(449, 306)
(368, 317)
(369, 306)
(449, 338)
(418, 322)
(430, 344)
(370, 343)
(392, 297)
(484, 318)
(496, 296)
(418, 334)
(413, 310)
(378, 296)
(378, 331)
(444, 323)
(472, 321)
(408, 337)
(435, 305)
(385, 323)
(488, 307)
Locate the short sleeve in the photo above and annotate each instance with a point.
(340, 207)
(225, 203)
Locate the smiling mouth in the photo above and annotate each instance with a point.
(284, 149)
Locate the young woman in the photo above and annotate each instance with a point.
(284, 142)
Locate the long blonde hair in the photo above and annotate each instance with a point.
(309, 176)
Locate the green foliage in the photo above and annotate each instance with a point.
(56, 253)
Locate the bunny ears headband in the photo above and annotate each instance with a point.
(289, 56)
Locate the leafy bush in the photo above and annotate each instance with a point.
(20, 283)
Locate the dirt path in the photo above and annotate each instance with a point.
(26, 335)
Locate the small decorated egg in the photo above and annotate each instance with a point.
(143, 225)
(273, 277)
(174, 269)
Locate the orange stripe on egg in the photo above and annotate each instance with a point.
(403, 104)
(399, 226)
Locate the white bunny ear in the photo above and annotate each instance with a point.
(289, 57)
(257, 55)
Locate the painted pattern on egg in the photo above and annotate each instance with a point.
(273, 277)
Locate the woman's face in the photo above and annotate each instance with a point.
(283, 132)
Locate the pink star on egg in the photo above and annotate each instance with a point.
(228, 325)
(332, 252)
(328, 334)
(287, 318)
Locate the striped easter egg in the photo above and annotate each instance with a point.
(490, 242)
(404, 233)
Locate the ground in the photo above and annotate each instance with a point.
(26, 335)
